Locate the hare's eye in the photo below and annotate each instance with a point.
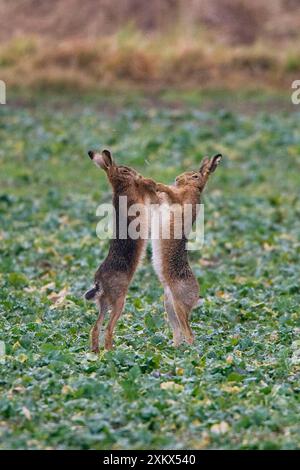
(195, 176)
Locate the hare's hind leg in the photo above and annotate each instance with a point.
(185, 297)
(172, 317)
(182, 312)
(103, 307)
(116, 311)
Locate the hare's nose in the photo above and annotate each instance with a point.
(91, 154)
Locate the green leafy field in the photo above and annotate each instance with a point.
(238, 386)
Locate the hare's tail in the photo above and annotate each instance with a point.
(96, 291)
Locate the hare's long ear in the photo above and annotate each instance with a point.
(214, 162)
(204, 167)
(106, 155)
(208, 165)
(104, 159)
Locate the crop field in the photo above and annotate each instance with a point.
(238, 386)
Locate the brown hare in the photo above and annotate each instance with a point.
(170, 259)
(114, 275)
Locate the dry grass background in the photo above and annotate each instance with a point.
(157, 44)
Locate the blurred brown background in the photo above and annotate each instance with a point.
(158, 43)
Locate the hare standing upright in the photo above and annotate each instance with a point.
(114, 275)
(170, 260)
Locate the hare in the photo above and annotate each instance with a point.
(170, 260)
(114, 275)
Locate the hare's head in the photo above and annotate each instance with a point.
(198, 178)
(117, 174)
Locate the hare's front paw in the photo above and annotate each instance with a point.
(160, 187)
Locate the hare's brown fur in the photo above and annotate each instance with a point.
(114, 275)
(170, 259)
